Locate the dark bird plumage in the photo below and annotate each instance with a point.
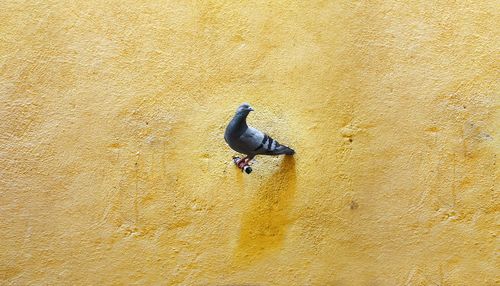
(250, 141)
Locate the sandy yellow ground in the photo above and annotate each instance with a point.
(113, 167)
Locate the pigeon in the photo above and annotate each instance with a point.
(250, 141)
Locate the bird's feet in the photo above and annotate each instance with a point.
(243, 161)
(243, 164)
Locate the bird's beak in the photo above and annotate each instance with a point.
(251, 109)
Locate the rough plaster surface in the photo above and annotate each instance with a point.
(113, 167)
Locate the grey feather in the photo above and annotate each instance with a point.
(250, 141)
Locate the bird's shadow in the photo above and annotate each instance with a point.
(265, 224)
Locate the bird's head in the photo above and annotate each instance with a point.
(245, 108)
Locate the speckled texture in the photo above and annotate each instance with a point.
(113, 167)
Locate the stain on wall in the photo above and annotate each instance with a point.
(265, 225)
(113, 167)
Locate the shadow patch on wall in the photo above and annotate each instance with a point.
(264, 225)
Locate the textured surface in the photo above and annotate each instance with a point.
(114, 169)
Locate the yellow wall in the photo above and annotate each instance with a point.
(113, 167)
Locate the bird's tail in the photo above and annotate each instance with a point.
(272, 147)
(284, 150)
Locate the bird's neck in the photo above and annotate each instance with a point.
(240, 121)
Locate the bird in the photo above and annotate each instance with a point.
(251, 141)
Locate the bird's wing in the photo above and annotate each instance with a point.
(254, 142)
(269, 146)
(250, 140)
